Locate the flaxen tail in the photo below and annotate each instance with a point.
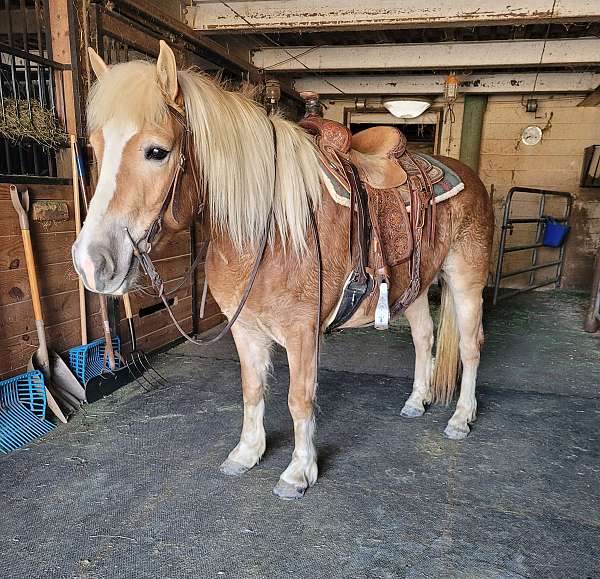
(447, 360)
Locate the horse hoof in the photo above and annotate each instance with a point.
(411, 411)
(454, 433)
(232, 468)
(289, 492)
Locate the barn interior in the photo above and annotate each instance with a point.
(130, 485)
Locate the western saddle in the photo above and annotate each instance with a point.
(372, 166)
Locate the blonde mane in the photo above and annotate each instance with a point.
(234, 150)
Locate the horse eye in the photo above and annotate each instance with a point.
(156, 153)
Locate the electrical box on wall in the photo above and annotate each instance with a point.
(590, 172)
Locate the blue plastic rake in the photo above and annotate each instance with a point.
(22, 411)
(89, 360)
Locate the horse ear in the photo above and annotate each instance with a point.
(98, 65)
(167, 71)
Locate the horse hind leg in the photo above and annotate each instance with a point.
(466, 285)
(254, 350)
(421, 327)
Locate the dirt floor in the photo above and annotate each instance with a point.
(131, 487)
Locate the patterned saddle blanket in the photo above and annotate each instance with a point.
(446, 183)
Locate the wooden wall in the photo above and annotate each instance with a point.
(58, 283)
(555, 164)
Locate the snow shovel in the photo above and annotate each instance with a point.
(59, 379)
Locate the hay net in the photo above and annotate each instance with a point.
(22, 120)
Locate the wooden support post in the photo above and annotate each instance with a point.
(591, 100)
(58, 11)
(470, 139)
(62, 29)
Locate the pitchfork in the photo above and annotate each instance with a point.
(137, 362)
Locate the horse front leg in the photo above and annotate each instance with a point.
(254, 350)
(302, 470)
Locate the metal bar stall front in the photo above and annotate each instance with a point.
(508, 225)
(28, 77)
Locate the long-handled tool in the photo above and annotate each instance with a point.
(77, 210)
(59, 379)
(138, 362)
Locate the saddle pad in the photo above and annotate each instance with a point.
(446, 183)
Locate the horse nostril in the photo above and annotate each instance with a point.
(105, 266)
(97, 265)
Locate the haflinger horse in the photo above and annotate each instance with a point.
(253, 173)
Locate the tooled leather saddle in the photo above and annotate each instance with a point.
(377, 172)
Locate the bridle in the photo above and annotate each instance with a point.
(143, 247)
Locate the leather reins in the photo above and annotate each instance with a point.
(142, 248)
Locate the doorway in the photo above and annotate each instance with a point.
(422, 133)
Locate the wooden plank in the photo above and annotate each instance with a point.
(58, 11)
(51, 248)
(53, 279)
(170, 269)
(163, 336)
(430, 56)
(17, 318)
(209, 323)
(140, 300)
(249, 16)
(157, 321)
(489, 83)
(9, 223)
(171, 245)
(17, 350)
(39, 191)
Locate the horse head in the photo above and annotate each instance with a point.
(138, 131)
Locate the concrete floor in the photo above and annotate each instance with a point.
(131, 487)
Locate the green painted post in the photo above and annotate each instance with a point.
(470, 139)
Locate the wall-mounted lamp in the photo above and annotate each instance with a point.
(407, 108)
(272, 93)
(450, 89)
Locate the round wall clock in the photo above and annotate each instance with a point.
(531, 135)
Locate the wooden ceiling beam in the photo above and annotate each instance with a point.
(518, 83)
(318, 15)
(430, 56)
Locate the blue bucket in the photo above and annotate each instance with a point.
(555, 233)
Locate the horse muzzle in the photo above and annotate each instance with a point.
(107, 268)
